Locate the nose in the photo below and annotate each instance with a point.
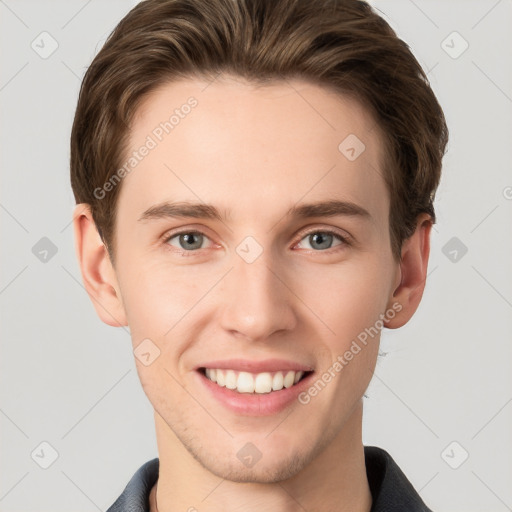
(257, 299)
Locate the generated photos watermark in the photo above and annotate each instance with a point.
(343, 359)
(156, 136)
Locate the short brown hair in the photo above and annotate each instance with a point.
(341, 44)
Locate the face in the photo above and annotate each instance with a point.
(255, 276)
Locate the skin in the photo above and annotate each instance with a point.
(256, 151)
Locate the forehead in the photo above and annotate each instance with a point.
(233, 139)
(279, 103)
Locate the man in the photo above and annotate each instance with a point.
(254, 184)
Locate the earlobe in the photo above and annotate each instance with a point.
(413, 273)
(98, 274)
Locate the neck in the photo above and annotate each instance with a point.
(333, 480)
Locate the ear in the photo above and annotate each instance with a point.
(98, 273)
(413, 269)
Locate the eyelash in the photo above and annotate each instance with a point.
(169, 236)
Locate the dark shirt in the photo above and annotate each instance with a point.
(390, 489)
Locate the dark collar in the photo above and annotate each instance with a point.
(390, 488)
(391, 491)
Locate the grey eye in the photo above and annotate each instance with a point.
(321, 240)
(188, 241)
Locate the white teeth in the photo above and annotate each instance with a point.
(245, 382)
(231, 379)
(263, 383)
(277, 381)
(288, 380)
(221, 379)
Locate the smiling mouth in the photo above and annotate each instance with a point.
(254, 383)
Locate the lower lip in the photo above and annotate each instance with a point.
(256, 404)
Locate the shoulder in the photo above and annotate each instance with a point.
(390, 488)
(135, 497)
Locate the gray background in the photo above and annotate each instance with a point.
(441, 392)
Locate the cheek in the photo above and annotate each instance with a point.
(350, 302)
(164, 390)
(348, 297)
(156, 297)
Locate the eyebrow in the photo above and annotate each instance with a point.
(183, 210)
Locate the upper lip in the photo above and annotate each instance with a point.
(266, 365)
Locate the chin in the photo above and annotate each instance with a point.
(263, 472)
